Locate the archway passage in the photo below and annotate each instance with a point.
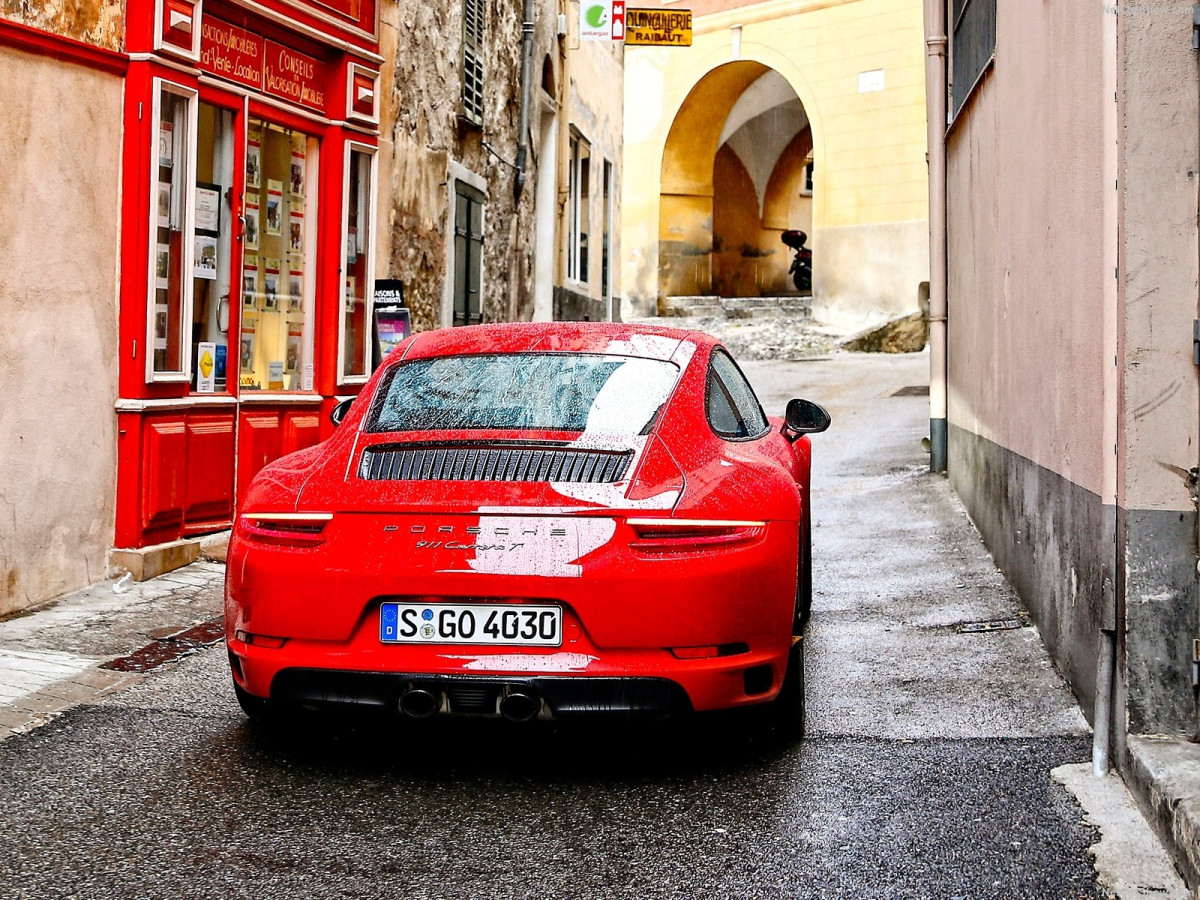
(736, 173)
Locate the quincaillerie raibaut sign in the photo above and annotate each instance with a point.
(249, 59)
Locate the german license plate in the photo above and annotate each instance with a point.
(470, 623)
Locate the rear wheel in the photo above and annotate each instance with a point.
(785, 714)
(804, 582)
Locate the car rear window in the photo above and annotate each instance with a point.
(618, 395)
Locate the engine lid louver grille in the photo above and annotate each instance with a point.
(474, 463)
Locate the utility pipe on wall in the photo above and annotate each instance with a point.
(935, 108)
(526, 91)
(1105, 712)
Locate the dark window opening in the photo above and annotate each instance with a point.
(972, 45)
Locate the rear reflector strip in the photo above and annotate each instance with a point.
(473, 463)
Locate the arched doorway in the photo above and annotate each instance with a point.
(736, 172)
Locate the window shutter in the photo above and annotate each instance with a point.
(472, 86)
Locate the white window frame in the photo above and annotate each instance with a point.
(187, 173)
(369, 287)
(455, 172)
(577, 215)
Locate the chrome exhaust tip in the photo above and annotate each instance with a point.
(519, 706)
(418, 703)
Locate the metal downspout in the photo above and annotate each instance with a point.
(526, 90)
(1103, 714)
(935, 105)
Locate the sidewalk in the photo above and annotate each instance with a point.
(53, 658)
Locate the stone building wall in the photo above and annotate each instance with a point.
(427, 137)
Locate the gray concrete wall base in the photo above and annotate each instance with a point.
(1058, 546)
(1163, 774)
(1162, 618)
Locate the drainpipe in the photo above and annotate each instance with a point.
(526, 89)
(1104, 708)
(935, 106)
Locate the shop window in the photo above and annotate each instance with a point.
(170, 288)
(468, 254)
(212, 248)
(606, 235)
(356, 297)
(578, 176)
(277, 263)
(472, 61)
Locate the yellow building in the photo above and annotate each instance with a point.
(785, 114)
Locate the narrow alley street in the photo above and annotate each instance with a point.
(925, 772)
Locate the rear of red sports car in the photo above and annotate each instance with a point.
(527, 521)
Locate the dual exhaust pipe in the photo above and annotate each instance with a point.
(516, 704)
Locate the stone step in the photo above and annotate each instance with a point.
(790, 305)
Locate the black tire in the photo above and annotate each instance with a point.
(804, 590)
(257, 709)
(785, 714)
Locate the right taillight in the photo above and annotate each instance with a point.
(682, 535)
(288, 529)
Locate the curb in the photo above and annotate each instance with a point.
(1163, 773)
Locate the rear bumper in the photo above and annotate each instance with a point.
(562, 697)
(370, 675)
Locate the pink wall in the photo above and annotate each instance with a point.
(1025, 212)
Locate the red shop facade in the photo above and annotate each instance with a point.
(249, 184)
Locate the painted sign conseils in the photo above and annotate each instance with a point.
(249, 59)
(293, 76)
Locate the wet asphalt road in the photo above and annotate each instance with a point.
(925, 772)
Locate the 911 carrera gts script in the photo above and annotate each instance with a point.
(458, 545)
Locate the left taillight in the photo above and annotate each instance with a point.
(288, 529)
(681, 535)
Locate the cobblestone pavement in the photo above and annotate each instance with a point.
(782, 338)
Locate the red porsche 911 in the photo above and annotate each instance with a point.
(533, 521)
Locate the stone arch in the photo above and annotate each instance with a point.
(741, 123)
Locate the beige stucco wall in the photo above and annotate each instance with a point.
(59, 202)
(1026, 279)
(595, 110)
(1159, 148)
(869, 147)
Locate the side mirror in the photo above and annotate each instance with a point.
(806, 417)
(339, 412)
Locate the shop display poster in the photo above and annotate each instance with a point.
(274, 223)
(206, 367)
(162, 266)
(292, 363)
(251, 217)
(271, 284)
(296, 231)
(297, 183)
(205, 261)
(164, 204)
(249, 280)
(165, 143)
(208, 208)
(253, 161)
(275, 375)
(249, 326)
